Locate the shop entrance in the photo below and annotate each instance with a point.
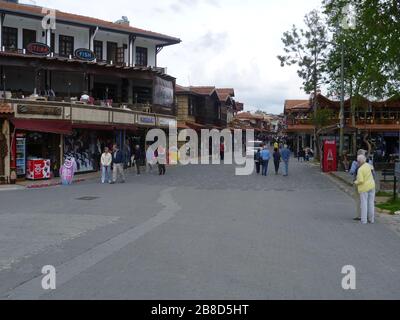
(38, 155)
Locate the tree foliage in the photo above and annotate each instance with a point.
(307, 48)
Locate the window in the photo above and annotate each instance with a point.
(28, 36)
(98, 49)
(10, 38)
(112, 48)
(66, 45)
(141, 56)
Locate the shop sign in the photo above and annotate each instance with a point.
(146, 120)
(163, 92)
(85, 54)
(38, 49)
(166, 122)
(39, 110)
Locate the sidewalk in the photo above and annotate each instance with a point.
(29, 184)
(345, 182)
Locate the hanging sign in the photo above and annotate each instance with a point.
(85, 54)
(38, 49)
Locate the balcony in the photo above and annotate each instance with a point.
(79, 112)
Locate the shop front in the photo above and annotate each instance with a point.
(36, 152)
(86, 143)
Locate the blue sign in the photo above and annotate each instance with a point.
(85, 54)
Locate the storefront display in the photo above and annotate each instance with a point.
(38, 169)
(21, 154)
(85, 147)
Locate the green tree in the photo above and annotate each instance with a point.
(307, 48)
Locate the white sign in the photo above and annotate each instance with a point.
(166, 122)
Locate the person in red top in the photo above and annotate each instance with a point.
(222, 151)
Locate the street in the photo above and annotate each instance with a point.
(200, 232)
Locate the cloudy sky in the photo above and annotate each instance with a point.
(226, 43)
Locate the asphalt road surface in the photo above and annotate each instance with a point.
(200, 232)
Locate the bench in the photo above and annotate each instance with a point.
(387, 173)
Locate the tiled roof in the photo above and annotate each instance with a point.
(225, 93)
(202, 90)
(249, 116)
(297, 104)
(89, 21)
(5, 108)
(196, 90)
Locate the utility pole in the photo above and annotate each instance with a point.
(342, 117)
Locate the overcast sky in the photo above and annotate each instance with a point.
(226, 43)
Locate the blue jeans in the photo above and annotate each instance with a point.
(105, 174)
(286, 168)
(265, 167)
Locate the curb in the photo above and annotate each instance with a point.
(51, 184)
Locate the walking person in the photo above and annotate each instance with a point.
(118, 164)
(257, 160)
(353, 171)
(265, 157)
(277, 160)
(137, 157)
(285, 154)
(161, 160)
(366, 188)
(150, 159)
(105, 162)
(222, 151)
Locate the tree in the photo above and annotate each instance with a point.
(371, 64)
(307, 48)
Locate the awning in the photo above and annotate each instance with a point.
(49, 126)
(105, 127)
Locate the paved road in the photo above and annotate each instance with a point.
(200, 232)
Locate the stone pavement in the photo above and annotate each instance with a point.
(200, 232)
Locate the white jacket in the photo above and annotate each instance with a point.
(106, 159)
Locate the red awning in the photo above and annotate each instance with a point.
(49, 126)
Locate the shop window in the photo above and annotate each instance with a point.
(66, 46)
(98, 49)
(29, 36)
(141, 56)
(142, 95)
(112, 48)
(10, 38)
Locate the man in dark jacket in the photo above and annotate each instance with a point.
(118, 164)
(137, 157)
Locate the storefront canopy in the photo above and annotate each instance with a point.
(49, 126)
